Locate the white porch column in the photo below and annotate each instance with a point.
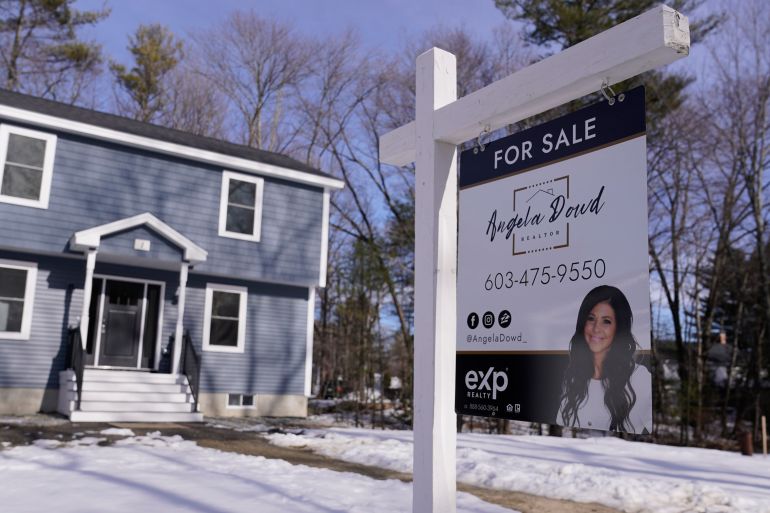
(87, 286)
(435, 423)
(178, 334)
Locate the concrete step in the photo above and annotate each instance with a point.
(128, 396)
(134, 416)
(106, 386)
(112, 406)
(132, 377)
(152, 397)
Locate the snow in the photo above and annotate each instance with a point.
(169, 474)
(116, 432)
(99, 472)
(631, 476)
(33, 420)
(239, 424)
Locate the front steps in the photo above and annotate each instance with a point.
(127, 396)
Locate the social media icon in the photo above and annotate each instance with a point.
(473, 320)
(488, 320)
(504, 319)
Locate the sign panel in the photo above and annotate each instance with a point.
(553, 319)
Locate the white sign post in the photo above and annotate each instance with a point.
(656, 38)
(436, 225)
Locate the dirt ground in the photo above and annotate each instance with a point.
(252, 443)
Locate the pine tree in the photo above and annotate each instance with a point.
(40, 52)
(156, 53)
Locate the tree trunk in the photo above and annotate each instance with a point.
(699, 364)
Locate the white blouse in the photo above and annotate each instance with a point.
(593, 413)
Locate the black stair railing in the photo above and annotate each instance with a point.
(77, 361)
(191, 367)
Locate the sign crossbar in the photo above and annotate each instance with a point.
(656, 38)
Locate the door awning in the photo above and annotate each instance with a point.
(91, 237)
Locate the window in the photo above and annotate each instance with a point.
(224, 324)
(26, 166)
(17, 293)
(240, 206)
(240, 401)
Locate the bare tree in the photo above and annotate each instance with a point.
(672, 218)
(742, 72)
(193, 104)
(256, 64)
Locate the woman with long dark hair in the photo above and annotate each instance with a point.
(602, 381)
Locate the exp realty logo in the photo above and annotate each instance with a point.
(485, 384)
(541, 216)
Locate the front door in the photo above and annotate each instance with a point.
(121, 324)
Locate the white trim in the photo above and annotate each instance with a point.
(137, 141)
(50, 151)
(244, 297)
(91, 238)
(116, 277)
(29, 299)
(100, 313)
(159, 336)
(99, 321)
(143, 316)
(324, 240)
(224, 203)
(309, 341)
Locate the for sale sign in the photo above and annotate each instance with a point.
(553, 285)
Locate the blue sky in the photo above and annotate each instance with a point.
(383, 24)
(380, 23)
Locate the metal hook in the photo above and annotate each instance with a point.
(611, 97)
(480, 145)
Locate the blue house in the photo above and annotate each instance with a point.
(148, 274)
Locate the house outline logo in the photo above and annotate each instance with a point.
(537, 196)
(548, 191)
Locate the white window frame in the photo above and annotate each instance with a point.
(244, 294)
(45, 183)
(240, 406)
(29, 299)
(223, 204)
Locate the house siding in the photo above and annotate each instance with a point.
(273, 361)
(35, 363)
(122, 245)
(96, 182)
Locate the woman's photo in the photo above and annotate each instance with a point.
(603, 386)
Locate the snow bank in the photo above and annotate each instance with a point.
(169, 474)
(630, 476)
